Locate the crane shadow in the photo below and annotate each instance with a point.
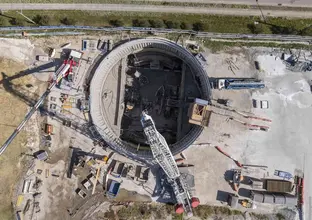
(18, 91)
(37, 69)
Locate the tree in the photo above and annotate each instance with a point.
(306, 31)
(172, 24)
(198, 26)
(42, 20)
(186, 26)
(157, 23)
(4, 22)
(116, 23)
(255, 28)
(140, 23)
(68, 21)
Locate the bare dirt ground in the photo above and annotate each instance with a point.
(13, 109)
(289, 107)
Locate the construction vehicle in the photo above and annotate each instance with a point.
(62, 72)
(238, 83)
(236, 179)
(100, 164)
(165, 159)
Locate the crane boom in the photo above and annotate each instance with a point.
(59, 74)
(165, 159)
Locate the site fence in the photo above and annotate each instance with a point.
(163, 30)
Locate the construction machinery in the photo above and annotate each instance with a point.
(100, 164)
(237, 83)
(62, 72)
(236, 179)
(165, 159)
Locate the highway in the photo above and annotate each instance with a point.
(158, 8)
(290, 3)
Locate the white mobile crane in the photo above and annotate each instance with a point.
(164, 158)
(62, 72)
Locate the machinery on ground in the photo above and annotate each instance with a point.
(236, 179)
(164, 158)
(232, 83)
(61, 73)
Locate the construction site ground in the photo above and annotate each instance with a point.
(13, 107)
(285, 146)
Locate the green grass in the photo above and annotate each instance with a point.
(221, 45)
(143, 211)
(280, 216)
(259, 216)
(205, 211)
(210, 23)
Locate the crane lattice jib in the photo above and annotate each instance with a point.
(160, 150)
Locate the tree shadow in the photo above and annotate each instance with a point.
(3, 15)
(277, 29)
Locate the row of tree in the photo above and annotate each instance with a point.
(156, 23)
(276, 29)
(159, 23)
(38, 19)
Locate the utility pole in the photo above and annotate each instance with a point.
(21, 13)
(260, 11)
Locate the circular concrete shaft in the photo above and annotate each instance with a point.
(98, 114)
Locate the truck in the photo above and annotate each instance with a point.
(238, 83)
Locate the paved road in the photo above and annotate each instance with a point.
(292, 3)
(158, 8)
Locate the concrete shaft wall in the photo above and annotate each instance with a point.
(97, 110)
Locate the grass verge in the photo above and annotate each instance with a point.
(221, 45)
(159, 211)
(197, 22)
